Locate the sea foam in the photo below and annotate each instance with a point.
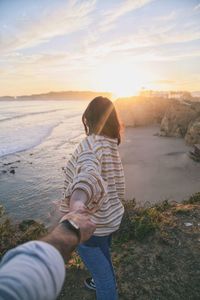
(24, 126)
(25, 139)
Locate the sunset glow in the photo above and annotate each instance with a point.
(117, 46)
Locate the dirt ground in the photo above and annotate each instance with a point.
(163, 265)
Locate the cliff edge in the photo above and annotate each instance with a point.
(176, 118)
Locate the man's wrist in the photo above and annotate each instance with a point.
(63, 239)
(71, 226)
(70, 236)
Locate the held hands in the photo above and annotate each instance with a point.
(81, 220)
(79, 216)
(65, 239)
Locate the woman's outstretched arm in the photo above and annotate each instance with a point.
(88, 188)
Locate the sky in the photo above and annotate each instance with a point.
(120, 46)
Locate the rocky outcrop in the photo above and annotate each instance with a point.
(193, 133)
(178, 118)
(141, 111)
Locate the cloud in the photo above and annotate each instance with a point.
(147, 40)
(197, 7)
(111, 16)
(171, 16)
(16, 65)
(172, 30)
(41, 26)
(162, 36)
(128, 50)
(158, 53)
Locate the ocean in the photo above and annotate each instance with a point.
(36, 139)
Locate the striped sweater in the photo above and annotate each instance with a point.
(96, 168)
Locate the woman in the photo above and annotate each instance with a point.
(95, 183)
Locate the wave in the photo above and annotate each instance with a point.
(28, 139)
(30, 114)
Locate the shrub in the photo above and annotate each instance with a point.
(195, 198)
(12, 234)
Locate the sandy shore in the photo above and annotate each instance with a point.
(157, 168)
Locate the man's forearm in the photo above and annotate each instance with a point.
(63, 239)
(36, 269)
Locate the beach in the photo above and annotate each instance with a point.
(157, 168)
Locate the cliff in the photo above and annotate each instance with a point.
(147, 252)
(156, 252)
(141, 111)
(182, 120)
(193, 133)
(176, 118)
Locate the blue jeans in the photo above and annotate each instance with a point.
(95, 254)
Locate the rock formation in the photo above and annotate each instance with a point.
(182, 119)
(193, 133)
(141, 111)
(177, 119)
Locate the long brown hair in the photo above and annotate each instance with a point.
(100, 117)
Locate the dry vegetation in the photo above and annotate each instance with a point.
(155, 253)
(12, 234)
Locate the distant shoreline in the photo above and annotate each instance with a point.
(35, 100)
(86, 96)
(57, 96)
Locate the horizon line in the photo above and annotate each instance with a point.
(94, 91)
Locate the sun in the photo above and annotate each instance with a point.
(124, 91)
(122, 80)
(126, 83)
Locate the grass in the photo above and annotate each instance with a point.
(12, 234)
(194, 199)
(155, 255)
(138, 223)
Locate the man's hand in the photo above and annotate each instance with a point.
(83, 222)
(64, 239)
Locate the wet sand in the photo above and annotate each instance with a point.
(157, 168)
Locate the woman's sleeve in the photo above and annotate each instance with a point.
(68, 176)
(88, 178)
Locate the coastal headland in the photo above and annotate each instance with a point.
(158, 137)
(160, 229)
(176, 118)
